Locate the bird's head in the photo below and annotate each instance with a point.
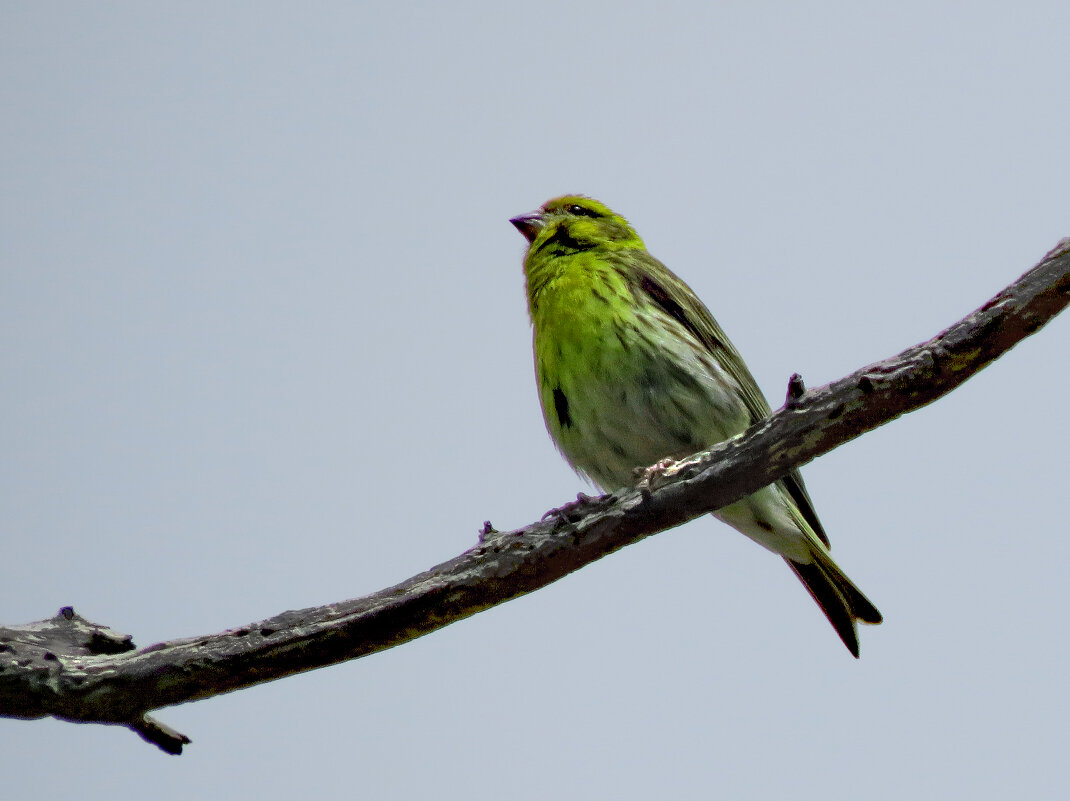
(573, 223)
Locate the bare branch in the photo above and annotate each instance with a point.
(72, 669)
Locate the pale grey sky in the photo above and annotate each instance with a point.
(265, 347)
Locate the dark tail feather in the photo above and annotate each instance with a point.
(840, 600)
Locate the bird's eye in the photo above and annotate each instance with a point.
(581, 211)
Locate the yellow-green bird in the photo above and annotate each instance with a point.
(632, 368)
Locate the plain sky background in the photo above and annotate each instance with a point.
(265, 346)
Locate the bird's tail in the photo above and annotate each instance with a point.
(841, 601)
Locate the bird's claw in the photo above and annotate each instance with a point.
(565, 512)
(645, 475)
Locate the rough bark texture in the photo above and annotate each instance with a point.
(75, 670)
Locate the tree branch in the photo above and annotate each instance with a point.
(75, 670)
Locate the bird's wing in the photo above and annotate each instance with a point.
(674, 297)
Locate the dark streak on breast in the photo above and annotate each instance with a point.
(561, 408)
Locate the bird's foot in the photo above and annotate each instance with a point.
(645, 476)
(569, 510)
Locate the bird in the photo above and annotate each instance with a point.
(632, 369)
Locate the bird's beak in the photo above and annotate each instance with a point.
(529, 224)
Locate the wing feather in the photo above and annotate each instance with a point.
(652, 278)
